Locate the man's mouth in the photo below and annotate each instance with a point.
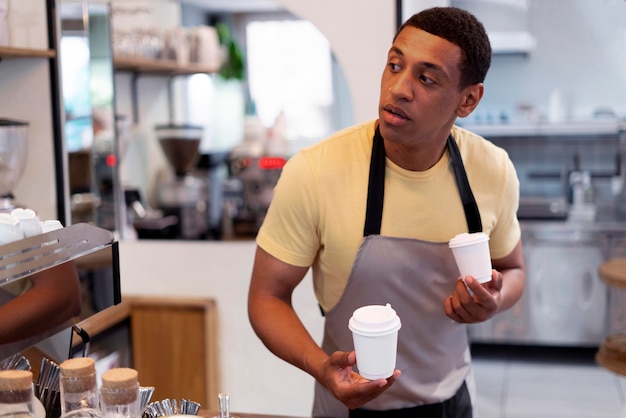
(396, 112)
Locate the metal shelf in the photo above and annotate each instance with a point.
(599, 127)
(31, 255)
(159, 66)
(9, 52)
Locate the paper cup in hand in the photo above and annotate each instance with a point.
(375, 335)
(471, 253)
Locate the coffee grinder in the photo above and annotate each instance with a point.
(13, 152)
(179, 191)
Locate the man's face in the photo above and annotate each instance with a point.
(419, 95)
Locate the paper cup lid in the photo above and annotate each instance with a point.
(468, 239)
(51, 225)
(374, 319)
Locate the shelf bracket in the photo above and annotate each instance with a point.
(134, 97)
(170, 98)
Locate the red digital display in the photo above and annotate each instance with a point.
(110, 160)
(272, 163)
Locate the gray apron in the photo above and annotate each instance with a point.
(414, 276)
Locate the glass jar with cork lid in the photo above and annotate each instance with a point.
(17, 396)
(119, 393)
(78, 384)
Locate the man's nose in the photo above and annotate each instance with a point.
(402, 87)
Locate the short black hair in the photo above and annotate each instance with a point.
(462, 29)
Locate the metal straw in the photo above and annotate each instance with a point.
(15, 362)
(47, 387)
(220, 400)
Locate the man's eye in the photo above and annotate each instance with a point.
(394, 67)
(427, 80)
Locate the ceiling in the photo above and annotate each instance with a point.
(235, 6)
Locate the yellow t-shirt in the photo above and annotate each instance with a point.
(317, 213)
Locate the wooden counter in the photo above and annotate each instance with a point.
(216, 414)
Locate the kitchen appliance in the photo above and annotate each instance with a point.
(254, 171)
(213, 167)
(564, 301)
(13, 152)
(180, 192)
(250, 189)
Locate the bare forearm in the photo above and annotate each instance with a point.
(278, 326)
(513, 277)
(512, 288)
(53, 299)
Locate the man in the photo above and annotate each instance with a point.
(371, 209)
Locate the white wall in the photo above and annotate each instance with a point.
(584, 57)
(25, 94)
(360, 33)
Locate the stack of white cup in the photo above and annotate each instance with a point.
(23, 223)
(9, 228)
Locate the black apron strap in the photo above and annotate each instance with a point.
(376, 187)
(472, 215)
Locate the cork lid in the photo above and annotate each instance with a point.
(120, 378)
(15, 380)
(78, 367)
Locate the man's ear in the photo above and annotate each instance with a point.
(471, 97)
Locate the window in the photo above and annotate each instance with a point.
(290, 71)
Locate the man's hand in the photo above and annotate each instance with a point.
(478, 305)
(348, 386)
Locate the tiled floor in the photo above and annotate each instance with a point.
(533, 382)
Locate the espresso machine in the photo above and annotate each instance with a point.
(255, 167)
(13, 152)
(179, 191)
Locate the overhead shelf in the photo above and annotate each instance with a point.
(10, 52)
(159, 66)
(599, 127)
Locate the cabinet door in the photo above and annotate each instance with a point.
(174, 344)
(564, 301)
(568, 302)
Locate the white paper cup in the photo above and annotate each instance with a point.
(9, 228)
(29, 222)
(471, 253)
(375, 335)
(50, 225)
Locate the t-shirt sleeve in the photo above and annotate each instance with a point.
(290, 228)
(506, 232)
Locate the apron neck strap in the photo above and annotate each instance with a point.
(376, 187)
(472, 215)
